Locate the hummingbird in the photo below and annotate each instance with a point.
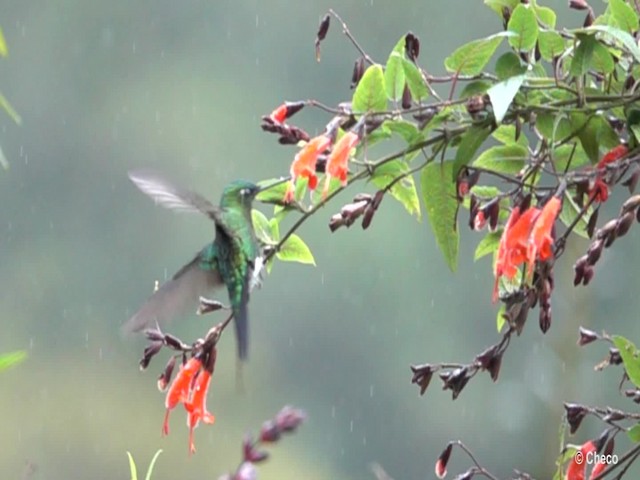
(233, 259)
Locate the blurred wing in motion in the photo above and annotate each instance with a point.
(175, 297)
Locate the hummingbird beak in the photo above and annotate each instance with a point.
(275, 183)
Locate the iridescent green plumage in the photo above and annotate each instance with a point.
(232, 259)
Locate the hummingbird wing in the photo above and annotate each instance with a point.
(173, 197)
(177, 295)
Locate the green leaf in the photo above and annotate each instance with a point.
(635, 129)
(509, 65)
(546, 16)
(554, 127)
(601, 60)
(471, 58)
(394, 76)
(565, 153)
(523, 22)
(295, 250)
(634, 433)
(132, 467)
(500, 320)
(508, 159)
(4, 104)
(487, 245)
(439, 196)
(582, 54)
(569, 212)
(12, 358)
(415, 81)
(394, 71)
(620, 35)
(629, 355)
(4, 51)
(506, 134)
(404, 190)
(407, 130)
(274, 225)
(624, 15)
(476, 87)
(502, 94)
(498, 5)
(487, 192)
(469, 145)
(370, 94)
(551, 45)
(262, 227)
(152, 465)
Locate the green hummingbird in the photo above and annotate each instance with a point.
(234, 258)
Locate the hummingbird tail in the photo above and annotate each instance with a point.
(242, 330)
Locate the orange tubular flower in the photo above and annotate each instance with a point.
(279, 115)
(541, 242)
(512, 249)
(599, 192)
(196, 406)
(304, 164)
(338, 161)
(179, 390)
(578, 464)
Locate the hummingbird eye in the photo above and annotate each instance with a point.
(245, 192)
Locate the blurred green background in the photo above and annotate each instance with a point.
(104, 87)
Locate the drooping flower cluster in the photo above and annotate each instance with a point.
(190, 388)
(599, 189)
(527, 237)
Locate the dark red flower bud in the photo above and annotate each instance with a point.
(289, 418)
(594, 252)
(412, 46)
(614, 357)
(208, 306)
(363, 197)
(367, 217)
(358, 71)
(422, 375)
(630, 204)
(589, 19)
(624, 224)
(545, 320)
(269, 432)
(588, 275)
(335, 222)
(632, 181)
(443, 460)
(407, 99)
(154, 335)
(587, 336)
(352, 211)
(377, 199)
(593, 221)
(246, 471)
(323, 28)
(578, 4)
(165, 376)
(575, 415)
(455, 380)
(149, 352)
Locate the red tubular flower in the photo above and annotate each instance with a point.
(179, 390)
(338, 161)
(512, 249)
(599, 192)
(578, 464)
(196, 406)
(279, 115)
(541, 241)
(304, 164)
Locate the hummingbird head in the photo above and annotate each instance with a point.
(239, 193)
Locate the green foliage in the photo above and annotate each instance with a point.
(629, 354)
(502, 94)
(469, 145)
(403, 190)
(134, 470)
(524, 24)
(471, 58)
(12, 358)
(439, 195)
(487, 245)
(370, 94)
